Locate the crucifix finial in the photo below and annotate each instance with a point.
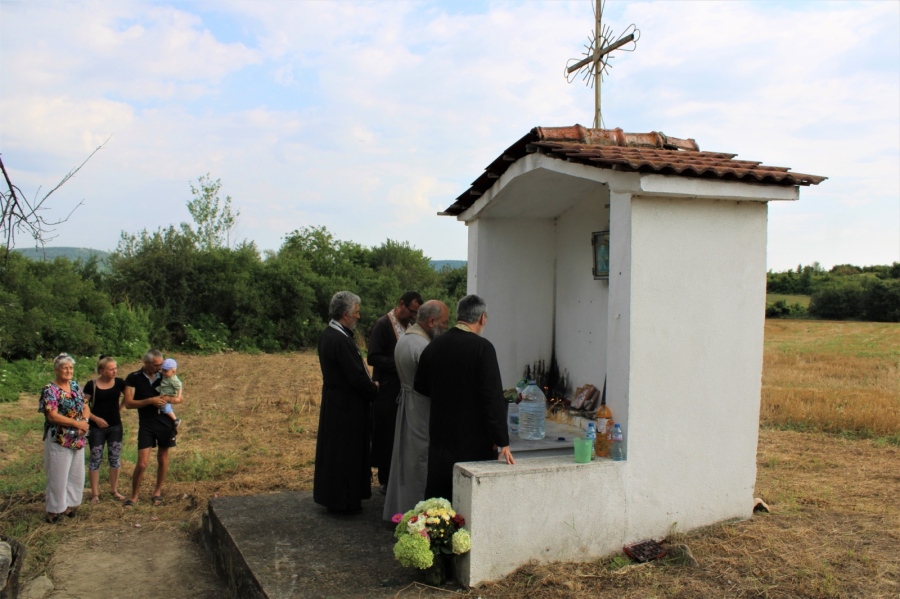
(597, 55)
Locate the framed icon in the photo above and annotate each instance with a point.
(600, 245)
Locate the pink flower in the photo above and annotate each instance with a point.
(396, 518)
(424, 533)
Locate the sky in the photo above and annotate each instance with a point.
(368, 118)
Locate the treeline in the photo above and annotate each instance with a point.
(165, 290)
(186, 288)
(846, 292)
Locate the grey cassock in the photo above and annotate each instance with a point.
(409, 460)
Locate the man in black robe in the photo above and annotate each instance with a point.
(382, 341)
(342, 476)
(459, 372)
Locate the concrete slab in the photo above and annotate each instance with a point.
(283, 545)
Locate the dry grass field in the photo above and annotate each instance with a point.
(828, 465)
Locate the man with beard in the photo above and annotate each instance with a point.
(460, 373)
(409, 459)
(382, 341)
(342, 476)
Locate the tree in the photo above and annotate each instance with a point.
(214, 219)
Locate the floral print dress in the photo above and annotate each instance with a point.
(69, 404)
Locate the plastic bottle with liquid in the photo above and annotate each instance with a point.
(512, 418)
(604, 420)
(591, 434)
(532, 413)
(618, 444)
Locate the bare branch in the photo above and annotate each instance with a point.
(18, 215)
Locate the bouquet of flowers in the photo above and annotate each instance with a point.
(429, 529)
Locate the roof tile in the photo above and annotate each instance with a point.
(653, 152)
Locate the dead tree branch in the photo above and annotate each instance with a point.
(19, 215)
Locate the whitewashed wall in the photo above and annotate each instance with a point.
(698, 284)
(581, 301)
(513, 272)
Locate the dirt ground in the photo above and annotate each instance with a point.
(124, 561)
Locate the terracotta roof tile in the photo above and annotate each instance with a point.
(652, 152)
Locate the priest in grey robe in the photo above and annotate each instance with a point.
(409, 460)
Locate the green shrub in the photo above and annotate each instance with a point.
(782, 309)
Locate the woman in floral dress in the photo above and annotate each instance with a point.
(65, 430)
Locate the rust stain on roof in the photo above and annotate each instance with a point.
(653, 152)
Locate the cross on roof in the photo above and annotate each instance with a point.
(597, 55)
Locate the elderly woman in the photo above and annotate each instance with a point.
(104, 395)
(65, 429)
(342, 477)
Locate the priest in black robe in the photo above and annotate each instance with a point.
(460, 373)
(382, 341)
(342, 476)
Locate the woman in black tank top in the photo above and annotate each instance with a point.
(105, 396)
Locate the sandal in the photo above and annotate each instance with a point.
(128, 504)
(71, 513)
(157, 500)
(52, 518)
(95, 499)
(118, 496)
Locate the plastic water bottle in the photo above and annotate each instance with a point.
(512, 418)
(592, 435)
(532, 413)
(618, 444)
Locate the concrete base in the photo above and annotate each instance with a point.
(544, 509)
(284, 545)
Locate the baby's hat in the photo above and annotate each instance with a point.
(169, 364)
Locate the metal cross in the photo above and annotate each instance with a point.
(598, 54)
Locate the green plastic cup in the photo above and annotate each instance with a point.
(584, 450)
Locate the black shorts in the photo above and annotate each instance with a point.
(156, 433)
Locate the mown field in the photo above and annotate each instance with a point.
(828, 465)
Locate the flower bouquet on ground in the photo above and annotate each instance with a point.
(428, 534)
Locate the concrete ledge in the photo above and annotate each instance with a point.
(283, 545)
(574, 512)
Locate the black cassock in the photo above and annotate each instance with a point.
(342, 477)
(459, 372)
(382, 341)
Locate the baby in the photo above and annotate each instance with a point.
(170, 386)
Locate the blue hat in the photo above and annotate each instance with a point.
(169, 364)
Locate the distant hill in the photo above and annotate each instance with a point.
(72, 254)
(439, 264)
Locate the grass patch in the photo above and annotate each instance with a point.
(803, 300)
(23, 476)
(837, 377)
(195, 467)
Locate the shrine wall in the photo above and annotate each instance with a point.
(698, 278)
(512, 270)
(581, 301)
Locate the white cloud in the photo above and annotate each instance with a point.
(369, 117)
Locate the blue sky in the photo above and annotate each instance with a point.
(368, 118)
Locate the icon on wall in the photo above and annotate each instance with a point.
(600, 244)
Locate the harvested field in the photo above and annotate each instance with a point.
(250, 427)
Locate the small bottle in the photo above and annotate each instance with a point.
(591, 435)
(618, 444)
(604, 421)
(512, 417)
(532, 413)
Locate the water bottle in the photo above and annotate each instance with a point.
(618, 444)
(532, 413)
(591, 434)
(512, 418)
